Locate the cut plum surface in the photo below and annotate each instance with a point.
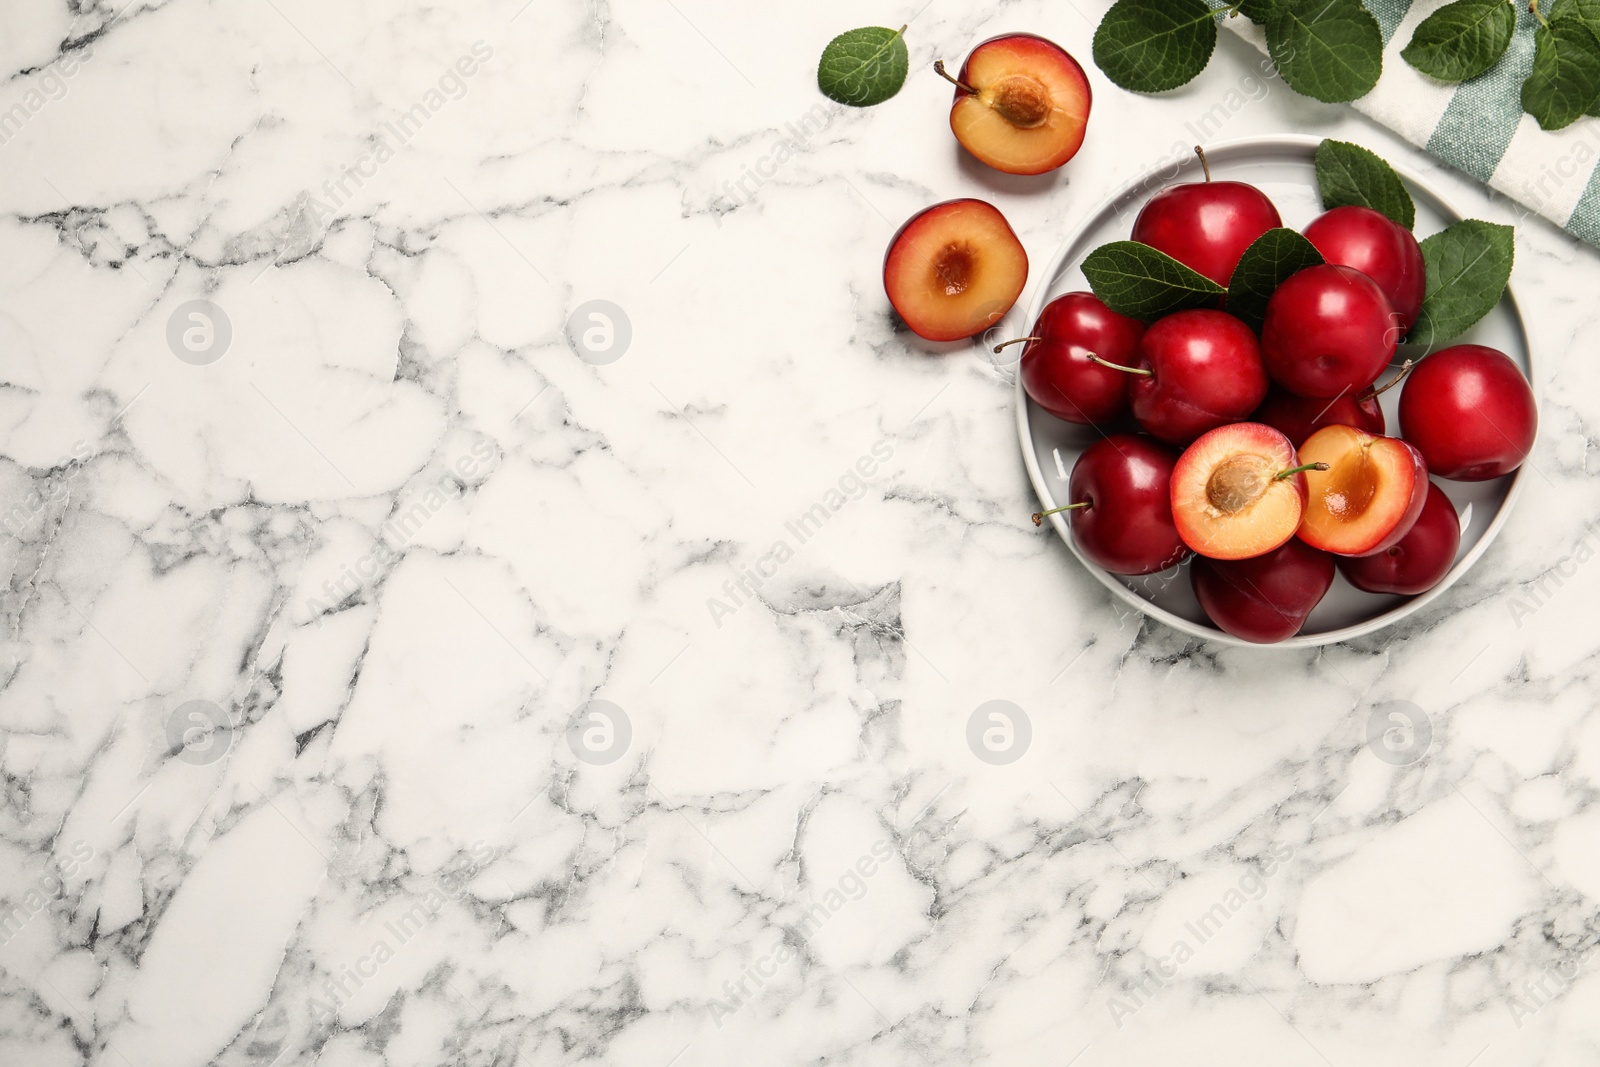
(1370, 495)
(954, 270)
(1236, 492)
(1031, 105)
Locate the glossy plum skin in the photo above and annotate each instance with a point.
(1264, 599)
(1378, 247)
(1206, 225)
(1056, 370)
(1206, 371)
(1127, 527)
(1298, 417)
(1470, 412)
(1329, 330)
(1419, 560)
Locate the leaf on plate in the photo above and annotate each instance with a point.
(1265, 265)
(1468, 266)
(1148, 46)
(1565, 83)
(864, 67)
(1134, 279)
(1349, 174)
(1331, 50)
(1463, 39)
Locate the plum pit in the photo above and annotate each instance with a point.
(1238, 481)
(955, 267)
(1022, 100)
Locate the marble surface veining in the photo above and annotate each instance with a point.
(391, 680)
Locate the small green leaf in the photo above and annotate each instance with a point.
(1265, 265)
(1331, 51)
(864, 67)
(1463, 39)
(1149, 46)
(1142, 283)
(1349, 174)
(1468, 266)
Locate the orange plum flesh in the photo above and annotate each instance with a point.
(1031, 107)
(954, 270)
(1228, 499)
(1370, 495)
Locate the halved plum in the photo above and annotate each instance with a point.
(1369, 495)
(954, 269)
(1238, 492)
(1022, 104)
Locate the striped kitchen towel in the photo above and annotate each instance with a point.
(1478, 126)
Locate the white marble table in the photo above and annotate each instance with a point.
(303, 628)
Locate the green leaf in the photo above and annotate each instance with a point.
(1259, 11)
(1463, 39)
(864, 67)
(1586, 11)
(1349, 174)
(1331, 50)
(1136, 280)
(1565, 82)
(1265, 265)
(1468, 266)
(1149, 46)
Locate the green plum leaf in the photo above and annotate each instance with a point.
(1565, 83)
(1462, 40)
(1468, 268)
(1148, 46)
(1349, 174)
(1134, 279)
(864, 67)
(1330, 50)
(1265, 265)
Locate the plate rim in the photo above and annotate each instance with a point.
(1306, 145)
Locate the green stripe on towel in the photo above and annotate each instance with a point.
(1585, 220)
(1482, 117)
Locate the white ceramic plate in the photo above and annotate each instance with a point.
(1283, 168)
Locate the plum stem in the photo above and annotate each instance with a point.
(1117, 366)
(1533, 9)
(1014, 341)
(1292, 471)
(938, 66)
(1379, 390)
(1205, 164)
(1039, 516)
